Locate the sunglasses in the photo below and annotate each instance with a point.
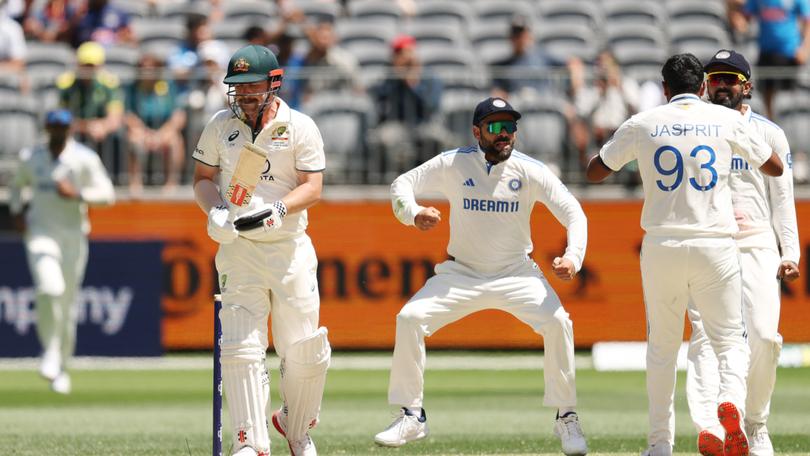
(499, 125)
(726, 77)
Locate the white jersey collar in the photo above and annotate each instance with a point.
(684, 98)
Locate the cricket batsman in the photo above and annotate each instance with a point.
(65, 177)
(266, 262)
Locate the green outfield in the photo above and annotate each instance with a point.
(470, 412)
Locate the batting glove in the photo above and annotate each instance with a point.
(266, 217)
(220, 229)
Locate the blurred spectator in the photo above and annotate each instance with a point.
(209, 93)
(12, 45)
(99, 21)
(406, 103)
(155, 121)
(599, 109)
(16, 9)
(53, 21)
(784, 41)
(93, 96)
(214, 55)
(520, 70)
(325, 66)
(281, 39)
(256, 34)
(186, 59)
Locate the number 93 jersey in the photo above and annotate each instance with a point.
(684, 153)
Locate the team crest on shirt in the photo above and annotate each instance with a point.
(280, 137)
(515, 184)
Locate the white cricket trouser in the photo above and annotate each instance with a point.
(57, 262)
(258, 280)
(707, 271)
(457, 291)
(761, 308)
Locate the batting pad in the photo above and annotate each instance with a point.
(302, 381)
(247, 390)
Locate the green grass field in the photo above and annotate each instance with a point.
(470, 412)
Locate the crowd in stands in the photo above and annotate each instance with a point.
(389, 82)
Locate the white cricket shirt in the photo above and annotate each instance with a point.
(294, 144)
(684, 151)
(48, 212)
(491, 205)
(764, 205)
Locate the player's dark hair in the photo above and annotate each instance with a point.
(683, 73)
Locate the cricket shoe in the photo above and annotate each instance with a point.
(709, 444)
(61, 384)
(658, 449)
(51, 365)
(736, 444)
(567, 428)
(302, 447)
(758, 440)
(407, 427)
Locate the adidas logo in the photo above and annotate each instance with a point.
(469, 183)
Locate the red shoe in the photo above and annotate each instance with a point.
(736, 444)
(710, 444)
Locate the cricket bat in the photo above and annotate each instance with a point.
(246, 176)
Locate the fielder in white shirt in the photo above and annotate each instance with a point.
(684, 153)
(64, 177)
(492, 190)
(766, 217)
(270, 270)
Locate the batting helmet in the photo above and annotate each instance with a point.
(254, 63)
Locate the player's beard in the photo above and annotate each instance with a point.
(251, 107)
(497, 150)
(727, 98)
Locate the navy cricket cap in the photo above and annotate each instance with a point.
(731, 59)
(491, 106)
(59, 117)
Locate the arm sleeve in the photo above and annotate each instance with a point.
(207, 150)
(98, 188)
(622, 148)
(404, 189)
(567, 210)
(748, 143)
(21, 180)
(309, 155)
(783, 207)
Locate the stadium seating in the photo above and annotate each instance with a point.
(544, 129)
(249, 9)
(444, 11)
(584, 12)
(161, 33)
(376, 11)
(343, 119)
(562, 41)
(489, 12)
(19, 125)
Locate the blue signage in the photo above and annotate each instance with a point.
(118, 307)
